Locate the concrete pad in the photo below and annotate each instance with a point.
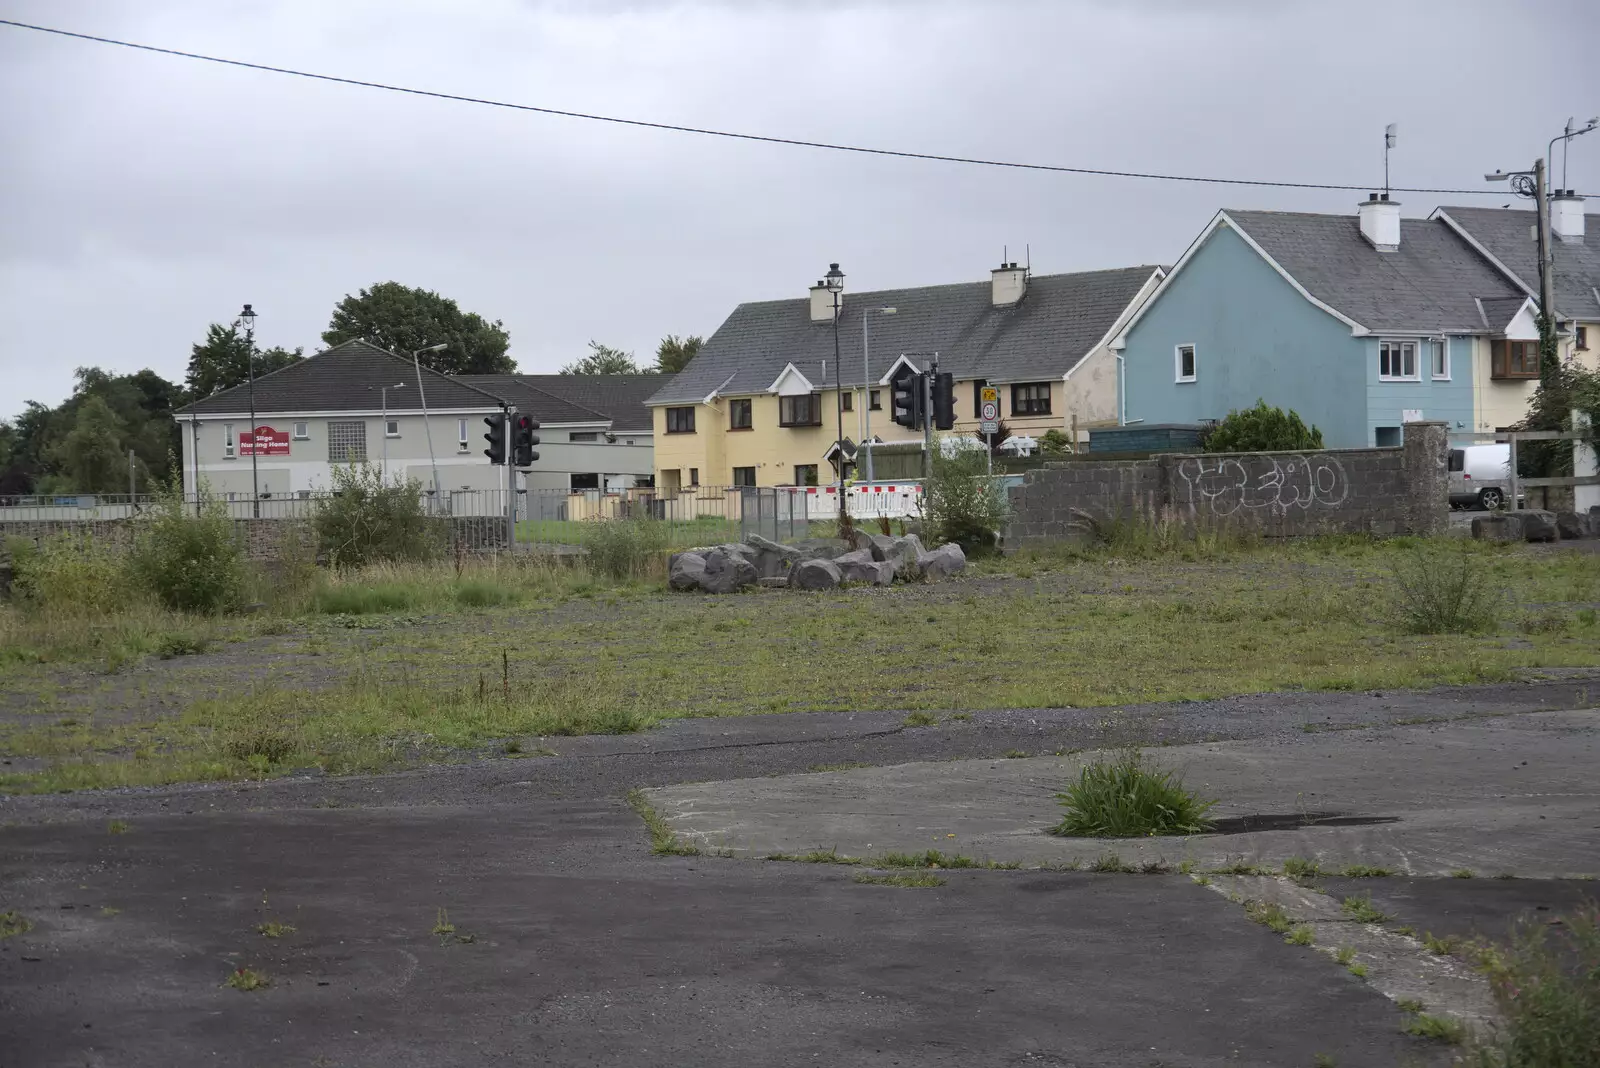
(1505, 794)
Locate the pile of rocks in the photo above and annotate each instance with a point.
(1531, 524)
(812, 564)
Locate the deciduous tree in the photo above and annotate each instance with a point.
(403, 320)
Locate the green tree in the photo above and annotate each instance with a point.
(1261, 429)
(90, 458)
(673, 354)
(603, 360)
(221, 361)
(1055, 443)
(403, 320)
(1564, 389)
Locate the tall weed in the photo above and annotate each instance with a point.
(624, 548)
(190, 563)
(1440, 589)
(367, 520)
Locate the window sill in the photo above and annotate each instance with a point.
(800, 426)
(734, 429)
(1534, 377)
(1382, 378)
(680, 432)
(1184, 381)
(1441, 378)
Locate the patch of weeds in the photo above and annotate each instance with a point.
(816, 856)
(1440, 947)
(442, 927)
(962, 716)
(1546, 983)
(1361, 910)
(1154, 867)
(1324, 1060)
(1201, 880)
(1439, 590)
(1301, 868)
(117, 827)
(275, 929)
(1406, 931)
(1410, 1005)
(247, 979)
(1358, 970)
(1270, 915)
(920, 719)
(13, 924)
(930, 859)
(1126, 798)
(1016, 754)
(851, 765)
(1299, 935)
(899, 879)
(1344, 955)
(178, 643)
(1240, 867)
(1365, 871)
(662, 841)
(1110, 862)
(260, 746)
(1545, 623)
(108, 911)
(1462, 873)
(1186, 867)
(1439, 1028)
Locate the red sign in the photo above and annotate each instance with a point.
(268, 442)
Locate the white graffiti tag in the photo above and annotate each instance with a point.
(1226, 484)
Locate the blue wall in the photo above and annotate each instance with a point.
(1448, 400)
(1255, 338)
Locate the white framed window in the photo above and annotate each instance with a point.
(1183, 363)
(1439, 358)
(230, 446)
(391, 428)
(1397, 361)
(461, 435)
(302, 431)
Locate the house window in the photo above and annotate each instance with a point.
(875, 400)
(804, 410)
(391, 428)
(1439, 357)
(1513, 359)
(680, 420)
(302, 431)
(1030, 398)
(461, 435)
(1386, 437)
(694, 476)
(744, 476)
(847, 402)
(1397, 361)
(977, 397)
(1183, 363)
(1580, 339)
(228, 447)
(589, 480)
(805, 474)
(347, 442)
(584, 435)
(741, 415)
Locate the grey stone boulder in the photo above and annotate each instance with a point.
(1573, 525)
(685, 570)
(815, 575)
(859, 566)
(1538, 525)
(905, 553)
(771, 559)
(946, 560)
(878, 545)
(820, 548)
(727, 572)
(1497, 526)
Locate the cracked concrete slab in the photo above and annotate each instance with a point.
(1511, 794)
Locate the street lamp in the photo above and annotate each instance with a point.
(248, 318)
(834, 280)
(866, 379)
(422, 395)
(384, 393)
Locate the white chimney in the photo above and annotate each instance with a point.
(825, 293)
(1566, 216)
(1008, 283)
(1380, 222)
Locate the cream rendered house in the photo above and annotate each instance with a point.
(760, 405)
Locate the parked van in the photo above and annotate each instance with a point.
(1481, 475)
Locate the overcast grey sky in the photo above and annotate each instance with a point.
(143, 197)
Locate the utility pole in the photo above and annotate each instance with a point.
(248, 317)
(133, 489)
(1548, 357)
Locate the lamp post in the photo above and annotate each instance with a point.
(834, 280)
(427, 427)
(383, 392)
(248, 318)
(866, 384)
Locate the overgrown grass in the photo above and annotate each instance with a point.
(662, 841)
(917, 879)
(1126, 797)
(1546, 983)
(1361, 910)
(1444, 590)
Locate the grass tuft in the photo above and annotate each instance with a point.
(1361, 910)
(1365, 871)
(1299, 935)
(117, 827)
(662, 841)
(917, 879)
(275, 929)
(1440, 590)
(247, 979)
(1127, 798)
(1440, 1028)
(920, 719)
(1441, 947)
(1301, 868)
(1270, 915)
(13, 923)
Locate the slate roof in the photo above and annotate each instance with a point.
(337, 380)
(1506, 235)
(1058, 322)
(620, 397)
(545, 407)
(1499, 311)
(1428, 284)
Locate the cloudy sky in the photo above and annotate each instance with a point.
(144, 196)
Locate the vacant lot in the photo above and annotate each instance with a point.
(448, 672)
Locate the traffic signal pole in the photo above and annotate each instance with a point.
(927, 423)
(511, 487)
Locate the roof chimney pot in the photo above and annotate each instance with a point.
(1566, 217)
(1380, 222)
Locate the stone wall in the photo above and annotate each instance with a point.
(1276, 495)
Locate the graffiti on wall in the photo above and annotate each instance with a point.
(1223, 485)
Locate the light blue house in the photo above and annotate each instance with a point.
(1358, 323)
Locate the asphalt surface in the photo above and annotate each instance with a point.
(573, 945)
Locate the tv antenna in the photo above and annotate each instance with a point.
(1389, 133)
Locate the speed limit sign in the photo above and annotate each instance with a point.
(989, 410)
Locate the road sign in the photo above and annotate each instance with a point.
(989, 410)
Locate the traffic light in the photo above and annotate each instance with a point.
(523, 439)
(906, 398)
(496, 437)
(944, 400)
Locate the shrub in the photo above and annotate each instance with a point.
(962, 505)
(1262, 429)
(71, 573)
(368, 519)
(1127, 798)
(1546, 984)
(1055, 443)
(1443, 591)
(191, 563)
(623, 548)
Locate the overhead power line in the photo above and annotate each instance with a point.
(735, 135)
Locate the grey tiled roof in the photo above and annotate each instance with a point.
(1428, 284)
(543, 406)
(1506, 235)
(1501, 310)
(621, 397)
(337, 380)
(1062, 317)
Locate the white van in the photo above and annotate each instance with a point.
(1481, 475)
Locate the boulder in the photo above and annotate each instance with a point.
(859, 566)
(684, 570)
(878, 545)
(815, 575)
(946, 560)
(726, 572)
(1572, 525)
(1497, 526)
(1538, 525)
(771, 559)
(820, 548)
(903, 553)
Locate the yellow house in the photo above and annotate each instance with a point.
(766, 402)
